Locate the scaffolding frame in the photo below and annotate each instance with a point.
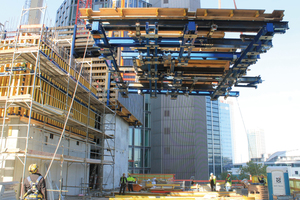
(39, 59)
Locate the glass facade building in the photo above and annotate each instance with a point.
(226, 135)
(213, 137)
(139, 143)
(257, 145)
(66, 14)
(219, 136)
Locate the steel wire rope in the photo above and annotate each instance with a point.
(70, 108)
(249, 146)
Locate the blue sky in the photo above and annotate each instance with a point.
(274, 106)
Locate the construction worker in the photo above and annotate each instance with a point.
(212, 181)
(123, 183)
(228, 182)
(262, 180)
(192, 180)
(130, 180)
(35, 185)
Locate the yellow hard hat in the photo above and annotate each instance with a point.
(129, 174)
(33, 168)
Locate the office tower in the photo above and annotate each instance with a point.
(66, 14)
(256, 140)
(213, 136)
(139, 142)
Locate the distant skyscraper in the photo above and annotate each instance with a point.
(192, 5)
(32, 16)
(257, 144)
(213, 136)
(66, 14)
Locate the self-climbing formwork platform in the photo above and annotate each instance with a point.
(176, 52)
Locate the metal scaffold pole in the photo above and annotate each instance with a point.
(33, 93)
(8, 88)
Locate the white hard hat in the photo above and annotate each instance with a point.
(211, 174)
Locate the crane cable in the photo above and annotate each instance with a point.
(249, 146)
(70, 108)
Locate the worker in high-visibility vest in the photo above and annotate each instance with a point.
(261, 180)
(130, 180)
(212, 181)
(123, 183)
(228, 182)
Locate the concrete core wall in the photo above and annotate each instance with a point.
(179, 137)
(43, 142)
(121, 152)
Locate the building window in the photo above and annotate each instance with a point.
(147, 158)
(147, 120)
(138, 139)
(138, 157)
(166, 1)
(148, 107)
(51, 136)
(296, 172)
(77, 143)
(130, 136)
(46, 140)
(130, 160)
(167, 113)
(167, 150)
(167, 131)
(147, 138)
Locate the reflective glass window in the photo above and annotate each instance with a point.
(130, 136)
(147, 158)
(147, 120)
(130, 161)
(138, 138)
(147, 138)
(138, 157)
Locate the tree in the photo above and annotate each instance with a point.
(253, 169)
(223, 176)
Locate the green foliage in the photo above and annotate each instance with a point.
(223, 176)
(253, 169)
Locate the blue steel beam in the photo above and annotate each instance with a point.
(235, 72)
(107, 54)
(194, 55)
(251, 48)
(178, 92)
(199, 42)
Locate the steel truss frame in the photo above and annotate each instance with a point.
(162, 63)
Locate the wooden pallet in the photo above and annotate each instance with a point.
(258, 192)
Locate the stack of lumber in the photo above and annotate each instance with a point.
(258, 191)
(184, 195)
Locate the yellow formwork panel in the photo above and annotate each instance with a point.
(46, 94)
(180, 13)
